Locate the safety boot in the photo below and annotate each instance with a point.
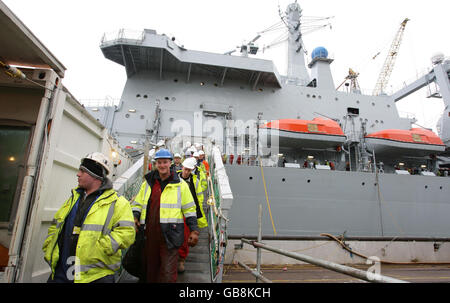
(181, 262)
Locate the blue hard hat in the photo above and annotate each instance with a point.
(163, 154)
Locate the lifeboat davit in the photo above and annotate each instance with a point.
(413, 142)
(317, 133)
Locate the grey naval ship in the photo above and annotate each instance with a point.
(320, 160)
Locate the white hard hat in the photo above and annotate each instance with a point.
(190, 163)
(98, 158)
(200, 152)
(197, 145)
(177, 155)
(193, 149)
(160, 143)
(195, 154)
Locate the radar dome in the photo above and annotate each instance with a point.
(319, 52)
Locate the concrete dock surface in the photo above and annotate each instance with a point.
(415, 273)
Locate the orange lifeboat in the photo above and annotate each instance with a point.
(416, 141)
(295, 133)
(315, 126)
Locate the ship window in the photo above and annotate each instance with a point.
(138, 96)
(216, 85)
(127, 116)
(142, 116)
(353, 110)
(373, 103)
(175, 80)
(283, 179)
(336, 99)
(145, 96)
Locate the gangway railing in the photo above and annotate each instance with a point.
(219, 202)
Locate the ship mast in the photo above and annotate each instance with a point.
(296, 60)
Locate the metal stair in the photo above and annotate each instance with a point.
(197, 266)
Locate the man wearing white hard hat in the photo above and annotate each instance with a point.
(177, 162)
(197, 185)
(91, 228)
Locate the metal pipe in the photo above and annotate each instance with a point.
(258, 250)
(254, 273)
(357, 273)
(323, 238)
(38, 143)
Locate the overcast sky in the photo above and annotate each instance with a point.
(72, 31)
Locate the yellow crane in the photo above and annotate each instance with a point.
(388, 65)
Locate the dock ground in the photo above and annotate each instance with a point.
(314, 274)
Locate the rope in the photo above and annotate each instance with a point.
(267, 197)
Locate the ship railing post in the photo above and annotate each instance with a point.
(258, 250)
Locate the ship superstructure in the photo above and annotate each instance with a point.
(333, 161)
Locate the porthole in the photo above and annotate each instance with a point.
(336, 99)
(138, 96)
(174, 99)
(309, 181)
(364, 183)
(127, 115)
(145, 96)
(250, 178)
(284, 179)
(308, 95)
(166, 98)
(426, 186)
(142, 116)
(373, 103)
(175, 80)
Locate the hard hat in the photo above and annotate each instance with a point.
(96, 164)
(193, 149)
(195, 154)
(177, 155)
(163, 154)
(190, 163)
(200, 152)
(197, 145)
(160, 143)
(187, 153)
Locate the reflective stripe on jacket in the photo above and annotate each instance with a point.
(201, 184)
(176, 201)
(107, 228)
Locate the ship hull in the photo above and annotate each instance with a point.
(308, 202)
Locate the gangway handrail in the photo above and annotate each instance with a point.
(354, 272)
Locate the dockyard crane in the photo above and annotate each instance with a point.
(388, 65)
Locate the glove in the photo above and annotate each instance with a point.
(193, 238)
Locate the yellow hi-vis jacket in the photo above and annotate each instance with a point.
(107, 228)
(176, 201)
(201, 184)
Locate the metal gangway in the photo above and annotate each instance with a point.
(204, 263)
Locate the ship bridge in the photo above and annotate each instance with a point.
(148, 50)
